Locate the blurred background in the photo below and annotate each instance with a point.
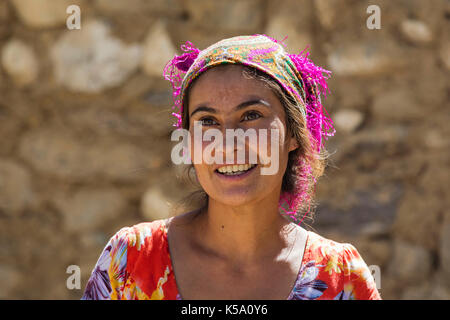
(85, 129)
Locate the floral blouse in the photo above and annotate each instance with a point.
(136, 264)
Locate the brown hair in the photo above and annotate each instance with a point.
(198, 199)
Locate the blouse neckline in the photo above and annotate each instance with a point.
(179, 297)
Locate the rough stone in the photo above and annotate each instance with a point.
(279, 27)
(91, 59)
(357, 100)
(89, 209)
(11, 126)
(119, 6)
(365, 59)
(58, 153)
(434, 178)
(43, 13)
(154, 205)
(440, 292)
(444, 54)
(20, 62)
(416, 31)
(158, 50)
(100, 119)
(444, 250)
(417, 220)
(9, 278)
(434, 138)
(416, 292)
(15, 186)
(411, 263)
(397, 105)
(137, 121)
(374, 251)
(157, 120)
(326, 12)
(353, 212)
(429, 12)
(431, 88)
(348, 120)
(372, 143)
(431, 289)
(285, 20)
(5, 20)
(242, 15)
(380, 252)
(166, 7)
(93, 240)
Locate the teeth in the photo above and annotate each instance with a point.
(235, 168)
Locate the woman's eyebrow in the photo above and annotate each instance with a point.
(242, 105)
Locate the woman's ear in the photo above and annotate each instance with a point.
(293, 144)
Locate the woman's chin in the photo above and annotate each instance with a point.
(236, 198)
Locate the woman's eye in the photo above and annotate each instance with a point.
(251, 116)
(207, 122)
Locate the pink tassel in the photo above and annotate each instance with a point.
(174, 72)
(319, 125)
(315, 82)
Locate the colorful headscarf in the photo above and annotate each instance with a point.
(296, 73)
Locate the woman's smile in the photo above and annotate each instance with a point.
(235, 172)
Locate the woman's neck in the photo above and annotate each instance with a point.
(244, 234)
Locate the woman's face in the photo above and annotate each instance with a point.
(222, 98)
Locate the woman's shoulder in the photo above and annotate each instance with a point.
(326, 248)
(328, 251)
(141, 236)
(134, 259)
(340, 271)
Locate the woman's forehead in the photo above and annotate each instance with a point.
(226, 80)
(221, 72)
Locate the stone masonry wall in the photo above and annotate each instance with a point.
(85, 129)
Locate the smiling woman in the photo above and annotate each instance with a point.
(265, 106)
(245, 241)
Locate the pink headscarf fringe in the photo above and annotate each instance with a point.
(174, 72)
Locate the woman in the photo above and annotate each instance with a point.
(246, 241)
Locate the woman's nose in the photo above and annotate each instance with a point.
(235, 144)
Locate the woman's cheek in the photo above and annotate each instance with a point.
(197, 145)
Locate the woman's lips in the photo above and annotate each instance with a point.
(235, 177)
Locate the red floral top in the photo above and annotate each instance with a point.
(136, 264)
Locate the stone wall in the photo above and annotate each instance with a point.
(85, 125)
